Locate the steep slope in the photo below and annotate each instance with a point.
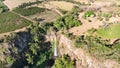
(83, 60)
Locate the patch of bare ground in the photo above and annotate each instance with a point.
(86, 25)
(82, 1)
(62, 5)
(11, 4)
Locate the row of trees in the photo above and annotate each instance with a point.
(24, 5)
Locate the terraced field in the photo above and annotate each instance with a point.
(15, 3)
(62, 5)
(111, 32)
(10, 22)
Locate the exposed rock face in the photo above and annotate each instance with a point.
(16, 45)
(83, 60)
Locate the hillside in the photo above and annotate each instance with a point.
(60, 34)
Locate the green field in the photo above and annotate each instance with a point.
(29, 11)
(11, 22)
(111, 32)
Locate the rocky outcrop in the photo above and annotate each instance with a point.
(82, 59)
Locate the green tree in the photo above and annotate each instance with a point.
(63, 62)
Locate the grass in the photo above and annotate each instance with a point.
(10, 22)
(89, 13)
(29, 11)
(111, 32)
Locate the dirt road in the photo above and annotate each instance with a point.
(8, 33)
(86, 25)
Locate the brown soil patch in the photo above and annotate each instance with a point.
(62, 5)
(15, 3)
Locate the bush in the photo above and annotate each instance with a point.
(63, 62)
(66, 22)
(3, 8)
(24, 5)
(88, 14)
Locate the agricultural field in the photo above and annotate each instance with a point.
(29, 11)
(11, 4)
(10, 22)
(111, 32)
(46, 16)
(67, 6)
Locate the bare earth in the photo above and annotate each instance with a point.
(85, 26)
(14, 3)
(62, 5)
(83, 60)
(105, 7)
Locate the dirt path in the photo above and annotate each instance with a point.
(86, 25)
(57, 11)
(18, 30)
(23, 16)
(51, 7)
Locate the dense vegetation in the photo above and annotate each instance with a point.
(88, 14)
(111, 32)
(28, 49)
(68, 21)
(10, 22)
(29, 11)
(63, 62)
(98, 47)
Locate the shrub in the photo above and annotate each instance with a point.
(24, 5)
(63, 62)
(88, 14)
(66, 22)
(3, 8)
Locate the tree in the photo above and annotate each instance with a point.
(63, 62)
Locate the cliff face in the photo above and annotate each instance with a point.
(83, 60)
